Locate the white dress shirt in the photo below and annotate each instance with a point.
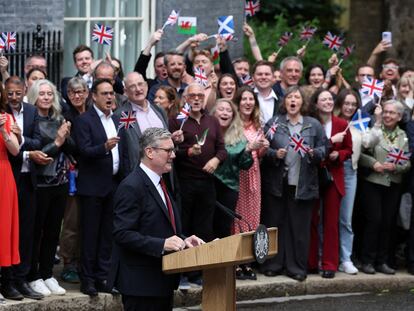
(110, 131)
(155, 178)
(266, 104)
(18, 117)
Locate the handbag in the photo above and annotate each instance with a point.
(325, 178)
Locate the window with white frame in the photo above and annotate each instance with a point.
(132, 21)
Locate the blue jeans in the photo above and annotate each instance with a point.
(346, 235)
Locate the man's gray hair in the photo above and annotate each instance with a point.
(291, 58)
(151, 138)
(103, 64)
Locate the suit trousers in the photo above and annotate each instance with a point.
(96, 214)
(137, 303)
(69, 238)
(328, 216)
(51, 202)
(293, 219)
(222, 222)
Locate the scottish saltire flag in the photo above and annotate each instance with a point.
(299, 145)
(9, 40)
(200, 76)
(184, 112)
(187, 25)
(345, 52)
(215, 54)
(360, 120)
(172, 19)
(247, 80)
(285, 38)
(307, 33)
(102, 34)
(226, 25)
(127, 120)
(251, 7)
(372, 87)
(272, 130)
(398, 156)
(332, 41)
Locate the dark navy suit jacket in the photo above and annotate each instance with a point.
(95, 176)
(141, 225)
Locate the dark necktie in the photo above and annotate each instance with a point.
(168, 202)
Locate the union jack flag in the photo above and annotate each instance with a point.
(102, 34)
(184, 112)
(172, 19)
(398, 156)
(347, 51)
(2, 44)
(332, 41)
(127, 120)
(200, 76)
(372, 87)
(247, 80)
(298, 143)
(285, 38)
(251, 7)
(307, 33)
(272, 130)
(9, 40)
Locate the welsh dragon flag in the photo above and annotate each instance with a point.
(187, 25)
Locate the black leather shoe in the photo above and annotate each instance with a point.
(384, 269)
(115, 292)
(88, 289)
(27, 292)
(271, 273)
(328, 274)
(297, 276)
(101, 287)
(10, 292)
(368, 268)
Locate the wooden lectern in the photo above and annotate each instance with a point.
(218, 259)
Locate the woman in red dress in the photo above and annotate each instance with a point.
(9, 218)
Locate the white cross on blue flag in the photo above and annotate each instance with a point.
(226, 25)
(360, 120)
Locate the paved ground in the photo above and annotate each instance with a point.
(247, 291)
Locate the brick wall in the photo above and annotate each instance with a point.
(206, 13)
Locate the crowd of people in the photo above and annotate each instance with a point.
(63, 155)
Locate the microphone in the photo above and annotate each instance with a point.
(233, 215)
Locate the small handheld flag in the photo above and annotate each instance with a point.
(307, 33)
(251, 7)
(9, 40)
(285, 38)
(215, 53)
(226, 25)
(200, 76)
(360, 121)
(172, 19)
(247, 80)
(184, 114)
(372, 87)
(272, 130)
(332, 41)
(187, 25)
(128, 119)
(345, 52)
(299, 145)
(398, 156)
(102, 34)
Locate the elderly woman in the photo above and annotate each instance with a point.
(382, 189)
(346, 105)
(52, 185)
(340, 149)
(69, 240)
(290, 184)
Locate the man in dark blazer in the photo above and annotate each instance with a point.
(14, 279)
(146, 226)
(99, 162)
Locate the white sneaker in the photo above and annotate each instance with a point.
(54, 286)
(40, 287)
(348, 267)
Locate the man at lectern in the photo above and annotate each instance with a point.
(147, 226)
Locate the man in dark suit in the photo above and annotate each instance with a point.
(14, 279)
(146, 226)
(99, 162)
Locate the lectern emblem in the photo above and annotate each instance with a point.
(261, 244)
